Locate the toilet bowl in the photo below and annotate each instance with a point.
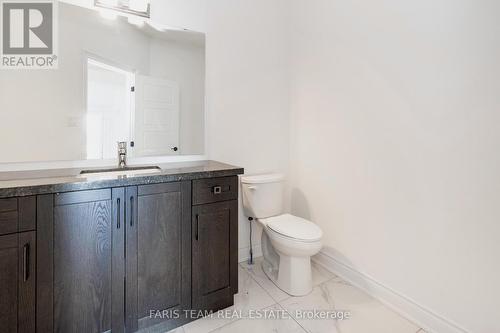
(288, 241)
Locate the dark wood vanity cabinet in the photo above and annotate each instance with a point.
(126, 259)
(128, 256)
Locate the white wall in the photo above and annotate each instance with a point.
(394, 151)
(247, 89)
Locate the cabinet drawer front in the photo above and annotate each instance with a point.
(7, 205)
(215, 189)
(8, 222)
(78, 197)
(158, 188)
(17, 214)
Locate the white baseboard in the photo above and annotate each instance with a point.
(244, 252)
(425, 318)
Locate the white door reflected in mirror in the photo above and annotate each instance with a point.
(156, 118)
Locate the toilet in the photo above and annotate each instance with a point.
(288, 241)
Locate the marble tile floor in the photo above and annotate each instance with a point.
(280, 312)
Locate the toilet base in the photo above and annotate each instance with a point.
(297, 284)
(290, 273)
(294, 275)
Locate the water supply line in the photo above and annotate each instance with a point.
(250, 260)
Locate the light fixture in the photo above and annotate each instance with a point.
(135, 7)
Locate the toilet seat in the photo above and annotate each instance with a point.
(294, 227)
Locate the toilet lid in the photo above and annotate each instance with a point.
(294, 227)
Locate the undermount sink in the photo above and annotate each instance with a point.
(127, 171)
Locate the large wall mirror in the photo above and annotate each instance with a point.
(118, 79)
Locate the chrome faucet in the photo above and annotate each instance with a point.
(122, 154)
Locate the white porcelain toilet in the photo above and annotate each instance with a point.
(288, 241)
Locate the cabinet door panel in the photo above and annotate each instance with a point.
(17, 282)
(9, 257)
(213, 239)
(163, 251)
(159, 241)
(215, 262)
(26, 302)
(82, 267)
(80, 275)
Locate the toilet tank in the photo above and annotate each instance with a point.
(262, 195)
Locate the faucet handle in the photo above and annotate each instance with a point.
(122, 145)
(122, 154)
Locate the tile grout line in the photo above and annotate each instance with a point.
(387, 305)
(337, 327)
(295, 320)
(330, 279)
(269, 294)
(334, 308)
(344, 282)
(234, 321)
(303, 328)
(218, 328)
(277, 302)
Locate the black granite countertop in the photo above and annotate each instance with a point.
(23, 183)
